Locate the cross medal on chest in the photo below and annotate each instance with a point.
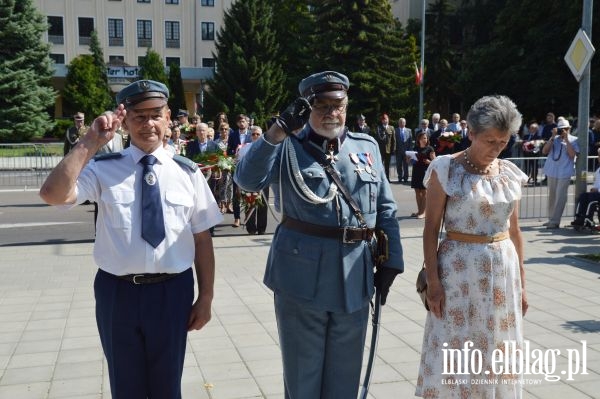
(331, 157)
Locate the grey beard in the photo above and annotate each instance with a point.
(329, 133)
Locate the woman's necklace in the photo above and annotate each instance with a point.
(475, 168)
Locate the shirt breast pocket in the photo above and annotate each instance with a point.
(367, 186)
(120, 205)
(178, 205)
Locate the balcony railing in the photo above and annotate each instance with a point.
(144, 42)
(115, 41)
(56, 39)
(172, 43)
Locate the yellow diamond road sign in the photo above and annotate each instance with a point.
(579, 54)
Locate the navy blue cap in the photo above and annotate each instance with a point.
(327, 84)
(142, 90)
(182, 112)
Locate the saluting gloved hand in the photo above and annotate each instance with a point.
(295, 115)
(384, 277)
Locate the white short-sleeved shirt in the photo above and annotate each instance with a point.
(115, 184)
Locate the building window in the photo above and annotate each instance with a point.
(144, 33)
(208, 62)
(115, 32)
(141, 59)
(56, 34)
(86, 26)
(144, 1)
(208, 3)
(58, 58)
(116, 59)
(172, 34)
(171, 1)
(172, 60)
(208, 31)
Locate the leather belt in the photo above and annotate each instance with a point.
(147, 278)
(348, 234)
(474, 238)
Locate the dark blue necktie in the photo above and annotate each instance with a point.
(153, 225)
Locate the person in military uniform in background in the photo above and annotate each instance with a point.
(320, 264)
(155, 211)
(385, 134)
(74, 133)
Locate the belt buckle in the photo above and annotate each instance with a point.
(135, 277)
(345, 239)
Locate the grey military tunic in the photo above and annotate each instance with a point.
(323, 273)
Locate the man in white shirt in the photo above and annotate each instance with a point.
(155, 211)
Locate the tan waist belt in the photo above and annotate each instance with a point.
(474, 238)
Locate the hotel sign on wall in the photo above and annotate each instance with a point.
(122, 72)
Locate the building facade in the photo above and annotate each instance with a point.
(180, 31)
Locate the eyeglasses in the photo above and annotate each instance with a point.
(324, 109)
(255, 134)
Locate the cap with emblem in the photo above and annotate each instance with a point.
(328, 84)
(142, 90)
(79, 116)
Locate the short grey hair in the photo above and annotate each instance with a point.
(494, 112)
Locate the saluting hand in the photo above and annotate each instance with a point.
(103, 129)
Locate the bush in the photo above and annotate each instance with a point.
(60, 127)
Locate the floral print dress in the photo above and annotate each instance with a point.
(482, 284)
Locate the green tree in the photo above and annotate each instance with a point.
(294, 26)
(442, 63)
(249, 75)
(106, 97)
(152, 67)
(362, 40)
(82, 91)
(25, 72)
(176, 92)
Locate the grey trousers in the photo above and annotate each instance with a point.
(558, 190)
(322, 351)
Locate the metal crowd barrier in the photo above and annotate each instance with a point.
(26, 166)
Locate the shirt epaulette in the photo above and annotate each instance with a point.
(108, 155)
(183, 161)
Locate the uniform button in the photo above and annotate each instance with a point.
(310, 173)
(295, 251)
(344, 219)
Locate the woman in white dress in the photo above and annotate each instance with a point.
(476, 280)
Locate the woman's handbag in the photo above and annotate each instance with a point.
(422, 276)
(422, 286)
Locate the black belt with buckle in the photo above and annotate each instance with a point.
(348, 235)
(147, 278)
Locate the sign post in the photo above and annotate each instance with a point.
(578, 59)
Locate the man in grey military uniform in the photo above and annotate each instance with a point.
(155, 211)
(320, 265)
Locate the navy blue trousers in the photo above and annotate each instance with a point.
(143, 330)
(322, 351)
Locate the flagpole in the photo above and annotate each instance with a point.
(422, 67)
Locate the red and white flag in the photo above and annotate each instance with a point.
(418, 75)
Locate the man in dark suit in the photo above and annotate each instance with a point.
(237, 138)
(201, 144)
(423, 127)
(465, 142)
(404, 142)
(240, 136)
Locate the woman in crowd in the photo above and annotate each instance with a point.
(476, 281)
(425, 154)
(224, 191)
